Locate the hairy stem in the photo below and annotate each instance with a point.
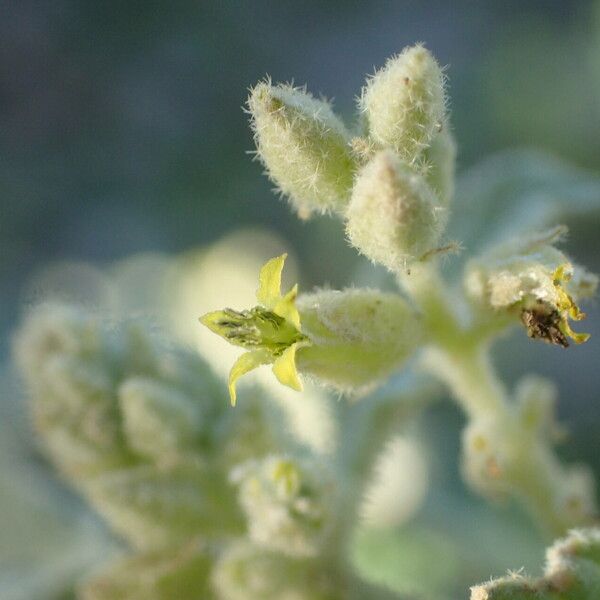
(507, 457)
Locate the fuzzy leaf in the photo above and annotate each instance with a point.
(517, 191)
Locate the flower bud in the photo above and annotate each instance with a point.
(304, 147)
(248, 572)
(287, 503)
(394, 217)
(358, 336)
(404, 103)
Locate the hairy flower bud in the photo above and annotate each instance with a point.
(358, 336)
(249, 572)
(304, 147)
(287, 503)
(394, 217)
(404, 103)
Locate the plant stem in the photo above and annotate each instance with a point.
(526, 466)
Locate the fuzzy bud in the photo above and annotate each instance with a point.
(404, 103)
(287, 503)
(304, 147)
(358, 336)
(394, 217)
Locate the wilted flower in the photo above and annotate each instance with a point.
(530, 278)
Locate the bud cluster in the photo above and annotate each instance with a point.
(393, 183)
(144, 432)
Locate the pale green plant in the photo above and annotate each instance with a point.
(287, 496)
(396, 217)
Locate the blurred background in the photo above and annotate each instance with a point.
(122, 130)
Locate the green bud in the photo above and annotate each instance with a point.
(394, 217)
(304, 147)
(404, 103)
(358, 336)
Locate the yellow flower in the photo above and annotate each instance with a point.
(271, 330)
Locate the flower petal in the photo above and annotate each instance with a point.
(245, 363)
(284, 368)
(269, 282)
(286, 307)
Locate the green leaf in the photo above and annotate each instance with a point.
(516, 191)
(416, 561)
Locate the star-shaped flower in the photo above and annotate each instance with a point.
(270, 331)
